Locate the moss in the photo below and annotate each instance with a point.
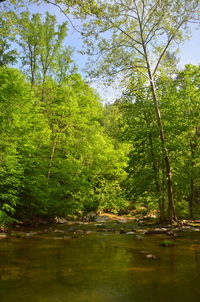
(167, 243)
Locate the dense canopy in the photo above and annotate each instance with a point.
(62, 151)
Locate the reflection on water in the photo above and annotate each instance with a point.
(99, 268)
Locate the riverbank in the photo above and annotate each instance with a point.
(62, 228)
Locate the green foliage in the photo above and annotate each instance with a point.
(41, 42)
(126, 37)
(83, 162)
(61, 151)
(56, 158)
(179, 102)
(7, 55)
(5, 219)
(145, 161)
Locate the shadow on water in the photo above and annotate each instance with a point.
(100, 268)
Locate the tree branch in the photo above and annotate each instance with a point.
(166, 47)
(63, 11)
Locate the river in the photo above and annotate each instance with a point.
(99, 267)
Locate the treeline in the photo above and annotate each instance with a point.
(62, 152)
(56, 155)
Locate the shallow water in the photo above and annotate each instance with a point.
(100, 267)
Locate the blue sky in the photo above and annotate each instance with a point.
(189, 51)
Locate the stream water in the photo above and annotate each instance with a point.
(100, 267)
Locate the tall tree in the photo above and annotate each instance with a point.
(132, 36)
(29, 31)
(42, 45)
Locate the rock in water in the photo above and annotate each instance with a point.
(101, 218)
(138, 237)
(150, 256)
(60, 220)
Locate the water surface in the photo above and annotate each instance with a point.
(99, 267)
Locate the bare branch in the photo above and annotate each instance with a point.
(152, 30)
(166, 47)
(128, 68)
(66, 15)
(148, 17)
(127, 35)
(143, 10)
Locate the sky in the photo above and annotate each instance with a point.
(189, 51)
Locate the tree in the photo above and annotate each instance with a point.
(22, 134)
(7, 55)
(84, 169)
(42, 46)
(180, 101)
(133, 37)
(29, 41)
(188, 91)
(144, 183)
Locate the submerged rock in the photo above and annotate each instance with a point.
(138, 237)
(71, 229)
(122, 231)
(88, 232)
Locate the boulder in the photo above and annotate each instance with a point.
(60, 220)
(90, 216)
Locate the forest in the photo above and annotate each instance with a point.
(64, 153)
(99, 151)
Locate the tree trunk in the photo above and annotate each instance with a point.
(155, 167)
(171, 214)
(163, 192)
(191, 200)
